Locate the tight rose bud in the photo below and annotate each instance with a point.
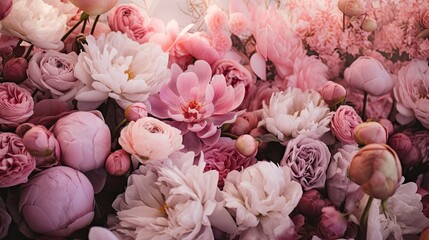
(23, 128)
(424, 19)
(377, 169)
(5, 8)
(407, 153)
(15, 70)
(246, 145)
(387, 124)
(333, 93)
(118, 163)
(94, 7)
(333, 224)
(351, 8)
(369, 132)
(369, 25)
(135, 111)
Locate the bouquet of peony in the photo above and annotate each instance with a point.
(214, 119)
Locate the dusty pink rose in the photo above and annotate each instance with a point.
(5, 8)
(244, 123)
(424, 19)
(150, 139)
(16, 104)
(94, 7)
(311, 204)
(43, 146)
(131, 20)
(14, 70)
(233, 71)
(5, 220)
(332, 224)
(52, 72)
(308, 159)
(16, 163)
(369, 75)
(84, 140)
(369, 132)
(118, 163)
(343, 122)
(57, 202)
(333, 93)
(135, 111)
(224, 158)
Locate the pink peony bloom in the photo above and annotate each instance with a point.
(233, 71)
(343, 122)
(16, 163)
(130, 19)
(16, 105)
(100, 233)
(224, 158)
(257, 94)
(333, 93)
(197, 103)
(84, 140)
(118, 163)
(57, 202)
(150, 139)
(5, 220)
(333, 224)
(424, 19)
(412, 93)
(135, 111)
(308, 159)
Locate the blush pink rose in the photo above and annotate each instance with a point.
(369, 75)
(244, 123)
(233, 71)
(16, 163)
(16, 105)
(343, 122)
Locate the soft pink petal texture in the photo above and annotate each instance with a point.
(97, 178)
(185, 82)
(100, 233)
(48, 111)
(259, 65)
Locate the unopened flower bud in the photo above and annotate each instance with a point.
(351, 8)
(94, 7)
(407, 153)
(23, 128)
(369, 132)
(118, 163)
(135, 111)
(424, 19)
(377, 169)
(369, 25)
(333, 224)
(387, 124)
(244, 123)
(333, 93)
(246, 145)
(15, 70)
(311, 204)
(5, 8)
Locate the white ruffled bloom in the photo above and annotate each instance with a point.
(117, 67)
(37, 22)
(293, 112)
(177, 200)
(261, 197)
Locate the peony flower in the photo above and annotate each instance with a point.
(412, 93)
(257, 95)
(407, 152)
(5, 8)
(115, 66)
(14, 70)
(150, 139)
(177, 200)
(332, 224)
(57, 202)
(424, 19)
(52, 72)
(244, 123)
(370, 132)
(311, 203)
(333, 93)
(84, 140)
(197, 103)
(224, 158)
(131, 20)
(343, 122)
(118, 163)
(37, 22)
(5, 220)
(16, 105)
(94, 7)
(293, 112)
(369, 75)
(260, 198)
(308, 159)
(233, 71)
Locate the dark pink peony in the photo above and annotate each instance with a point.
(16, 105)
(233, 71)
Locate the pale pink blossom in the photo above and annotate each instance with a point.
(343, 122)
(197, 103)
(216, 19)
(238, 23)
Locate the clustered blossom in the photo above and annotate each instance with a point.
(16, 105)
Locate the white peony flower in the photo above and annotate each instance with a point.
(177, 200)
(293, 112)
(37, 22)
(261, 197)
(115, 66)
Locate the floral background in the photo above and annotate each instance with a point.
(204, 119)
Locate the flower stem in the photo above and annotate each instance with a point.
(365, 99)
(118, 128)
(83, 17)
(364, 219)
(344, 22)
(95, 23)
(84, 26)
(27, 54)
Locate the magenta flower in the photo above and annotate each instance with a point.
(197, 103)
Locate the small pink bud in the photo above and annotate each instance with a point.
(424, 19)
(333, 93)
(369, 132)
(135, 111)
(387, 124)
(407, 153)
(333, 224)
(351, 8)
(94, 7)
(244, 123)
(5, 8)
(23, 128)
(246, 145)
(311, 204)
(15, 70)
(118, 163)
(369, 25)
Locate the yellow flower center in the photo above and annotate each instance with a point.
(130, 74)
(163, 209)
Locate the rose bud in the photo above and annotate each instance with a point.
(135, 111)
(351, 8)
(333, 93)
(15, 70)
(369, 132)
(369, 25)
(377, 169)
(247, 145)
(387, 124)
(5, 8)
(369, 75)
(407, 153)
(94, 7)
(43, 146)
(424, 19)
(118, 163)
(333, 224)
(57, 202)
(23, 128)
(244, 123)
(311, 204)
